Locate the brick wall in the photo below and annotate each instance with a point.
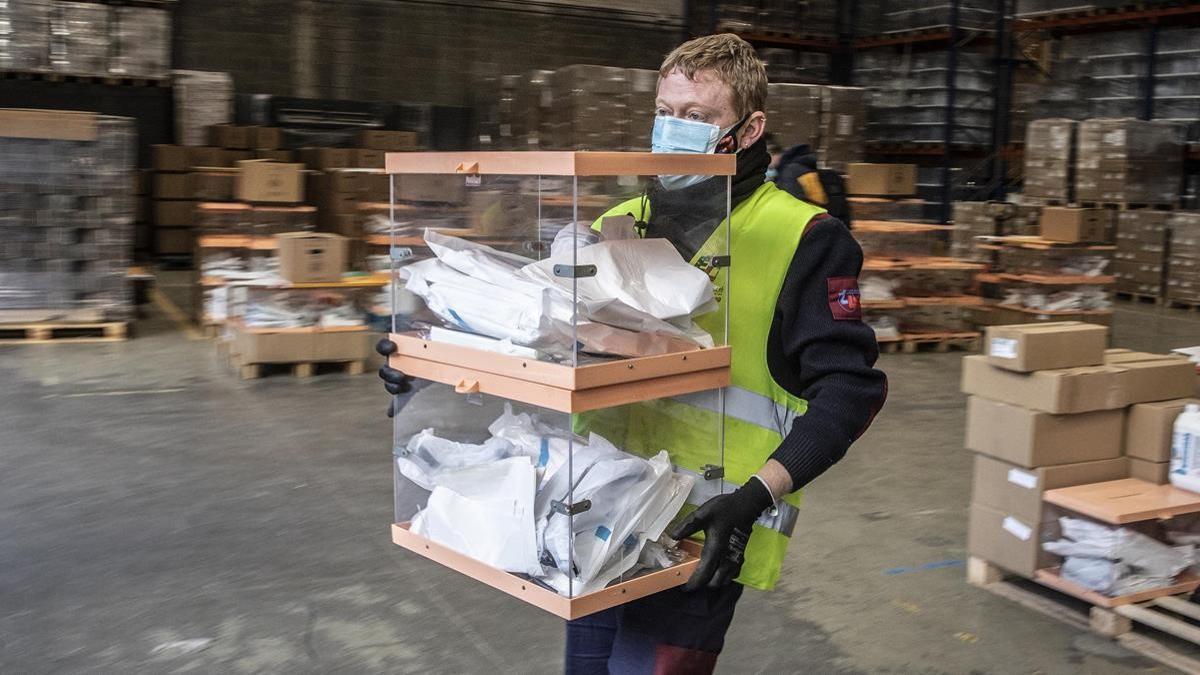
(412, 50)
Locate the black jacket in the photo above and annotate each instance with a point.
(819, 348)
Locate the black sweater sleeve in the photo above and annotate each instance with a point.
(820, 349)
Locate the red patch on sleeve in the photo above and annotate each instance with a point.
(845, 301)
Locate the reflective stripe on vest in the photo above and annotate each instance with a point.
(747, 406)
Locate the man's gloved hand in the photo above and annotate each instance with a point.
(726, 521)
(394, 381)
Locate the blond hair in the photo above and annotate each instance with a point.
(734, 62)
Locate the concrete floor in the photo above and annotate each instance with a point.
(159, 515)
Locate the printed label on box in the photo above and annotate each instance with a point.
(1017, 529)
(1003, 348)
(845, 125)
(1022, 478)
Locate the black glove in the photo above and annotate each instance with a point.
(394, 381)
(726, 521)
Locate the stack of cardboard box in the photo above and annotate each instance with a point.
(1140, 261)
(1128, 161)
(533, 110)
(643, 92)
(1183, 271)
(1049, 160)
(1148, 430)
(794, 113)
(174, 204)
(843, 126)
(978, 219)
(202, 99)
(66, 215)
(591, 107)
(1047, 409)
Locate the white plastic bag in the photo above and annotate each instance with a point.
(426, 455)
(648, 275)
(486, 512)
(571, 236)
(630, 508)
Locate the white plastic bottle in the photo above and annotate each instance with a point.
(1185, 449)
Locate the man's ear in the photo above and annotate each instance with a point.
(753, 129)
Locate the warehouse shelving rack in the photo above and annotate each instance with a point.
(1011, 39)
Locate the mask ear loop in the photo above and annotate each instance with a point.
(728, 143)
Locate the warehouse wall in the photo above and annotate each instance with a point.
(413, 50)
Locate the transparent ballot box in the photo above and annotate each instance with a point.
(574, 312)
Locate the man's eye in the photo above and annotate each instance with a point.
(695, 116)
(660, 112)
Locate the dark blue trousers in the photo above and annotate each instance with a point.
(672, 632)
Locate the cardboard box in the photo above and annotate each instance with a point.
(275, 155)
(267, 138)
(368, 159)
(1005, 540)
(58, 125)
(388, 141)
(204, 156)
(174, 240)
(1158, 473)
(1069, 390)
(1031, 439)
(327, 158)
(312, 257)
(376, 187)
(1018, 491)
(172, 186)
(293, 346)
(174, 213)
(1153, 377)
(341, 346)
(171, 158)
(446, 189)
(866, 180)
(270, 182)
(231, 158)
(212, 186)
(256, 346)
(1149, 428)
(231, 136)
(1046, 346)
(1075, 225)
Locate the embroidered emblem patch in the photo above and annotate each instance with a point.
(845, 301)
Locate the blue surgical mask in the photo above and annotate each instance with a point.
(674, 134)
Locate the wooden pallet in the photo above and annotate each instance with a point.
(1128, 206)
(911, 343)
(1189, 305)
(1138, 626)
(1040, 201)
(81, 78)
(1139, 297)
(44, 332)
(254, 371)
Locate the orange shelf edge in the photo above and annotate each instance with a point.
(540, 596)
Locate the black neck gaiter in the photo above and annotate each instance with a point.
(689, 216)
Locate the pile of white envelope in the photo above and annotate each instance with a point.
(495, 502)
(640, 302)
(1117, 560)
